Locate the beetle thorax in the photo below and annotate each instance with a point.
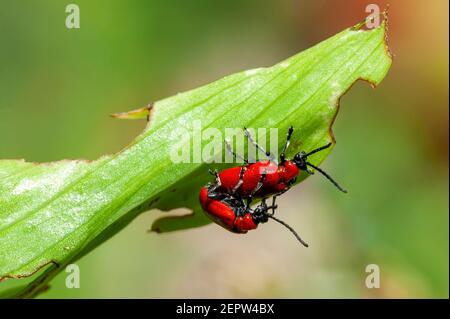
(288, 171)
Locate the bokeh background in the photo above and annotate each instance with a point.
(57, 87)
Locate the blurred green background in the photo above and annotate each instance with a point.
(57, 87)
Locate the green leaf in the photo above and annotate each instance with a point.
(52, 214)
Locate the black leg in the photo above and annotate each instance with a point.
(241, 179)
(286, 145)
(213, 172)
(249, 201)
(262, 178)
(230, 149)
(273, 204)
(251, 140)
(217, 183)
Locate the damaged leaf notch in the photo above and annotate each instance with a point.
(52, 214)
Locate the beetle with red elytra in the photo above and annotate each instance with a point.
(266, 178)
(223, 199)
(234, 215)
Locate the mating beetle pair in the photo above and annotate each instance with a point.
(223, 200)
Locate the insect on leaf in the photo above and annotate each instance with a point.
(52, 214)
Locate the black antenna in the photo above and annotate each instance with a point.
(290, 228)
(327, 176)
(318, 149)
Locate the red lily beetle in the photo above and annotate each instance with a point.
(265, 178)
(234, 215)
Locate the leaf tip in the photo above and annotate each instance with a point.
(384, 25)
